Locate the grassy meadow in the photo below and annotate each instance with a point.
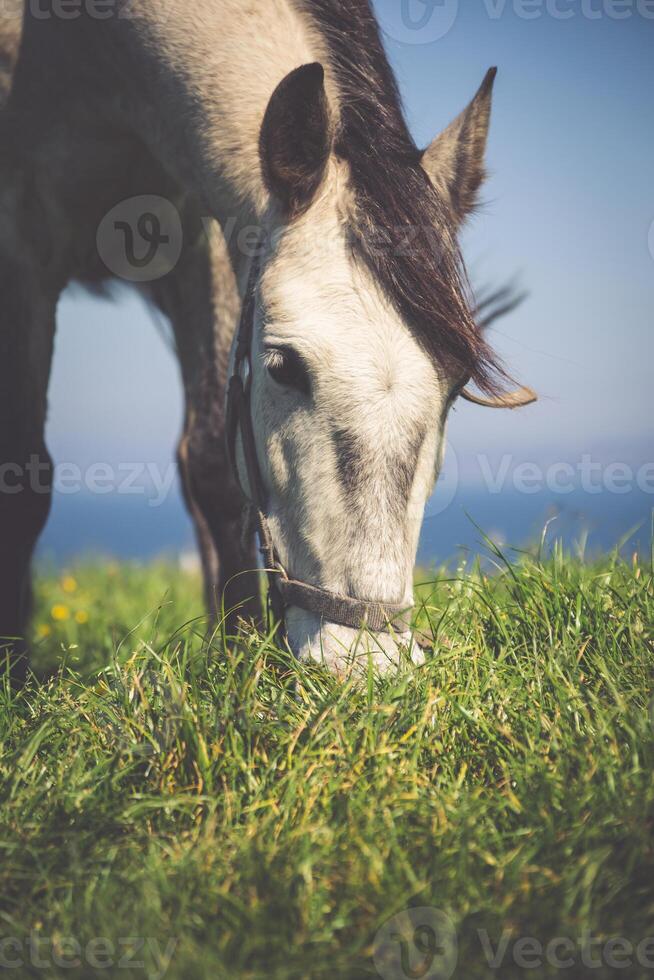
(191, 807)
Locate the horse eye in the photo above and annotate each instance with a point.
(286, 367)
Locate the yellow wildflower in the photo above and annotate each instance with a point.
(69, 584)
(60, 613)
(44, 630)
(81, 617)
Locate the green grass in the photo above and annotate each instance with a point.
(267, 819)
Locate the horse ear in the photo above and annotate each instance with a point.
(296, 138)
(455, 160)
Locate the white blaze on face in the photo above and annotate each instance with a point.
(350, 462)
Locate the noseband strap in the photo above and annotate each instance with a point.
(342, 609)
(284, 592)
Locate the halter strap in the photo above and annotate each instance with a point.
(344, 610)
(283, 591)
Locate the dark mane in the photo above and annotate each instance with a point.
(402, 229)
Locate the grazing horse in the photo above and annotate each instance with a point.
(306, 213)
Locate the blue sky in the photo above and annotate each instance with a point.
(568, 208)
(569, 205)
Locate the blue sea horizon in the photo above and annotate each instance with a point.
(124, 527)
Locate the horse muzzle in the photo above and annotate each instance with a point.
(346, 651)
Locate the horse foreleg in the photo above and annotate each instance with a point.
(201, 300)
(26, 336)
